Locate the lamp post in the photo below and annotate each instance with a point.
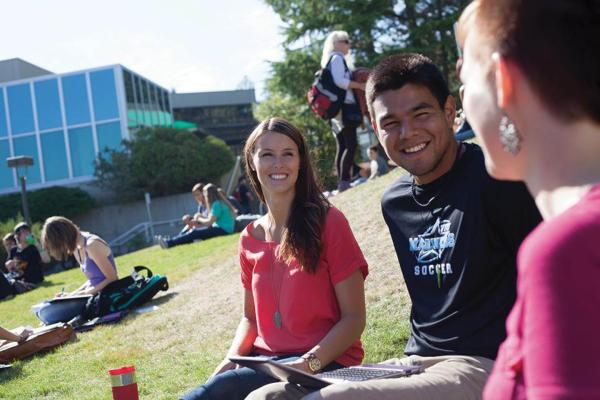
(20, 163)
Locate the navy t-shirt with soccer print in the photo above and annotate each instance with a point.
(456, 240)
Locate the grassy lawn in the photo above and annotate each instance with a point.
(177, 346)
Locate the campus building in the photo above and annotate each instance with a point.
(225, 114)
(64, 120)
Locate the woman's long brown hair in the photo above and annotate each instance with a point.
(302, 234)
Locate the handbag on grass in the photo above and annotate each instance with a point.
(42, 339)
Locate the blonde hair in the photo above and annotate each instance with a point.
(329, 48)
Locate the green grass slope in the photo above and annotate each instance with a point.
(177, 346)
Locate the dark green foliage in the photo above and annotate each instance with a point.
(43, 203)
(377, 28)
(162, 161)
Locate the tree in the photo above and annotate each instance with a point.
(162, 161)
(377, 28)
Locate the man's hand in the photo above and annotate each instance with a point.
(11, 265)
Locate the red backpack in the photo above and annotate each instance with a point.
(324, 96)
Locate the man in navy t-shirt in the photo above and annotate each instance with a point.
(456, 232)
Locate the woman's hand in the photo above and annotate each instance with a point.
(300, 364)
(225, 365)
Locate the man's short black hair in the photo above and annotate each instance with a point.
(398, 70)
(374, 148)
(21, 226)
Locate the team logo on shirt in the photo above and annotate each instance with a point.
(429, 248)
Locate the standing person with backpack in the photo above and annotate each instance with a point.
(62, 237)
(335, 58)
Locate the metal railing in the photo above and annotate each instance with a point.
(122, 243)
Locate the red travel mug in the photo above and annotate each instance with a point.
(124, 385)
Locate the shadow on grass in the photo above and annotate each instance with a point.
(9, 374)
(162, 299)
(132, 315)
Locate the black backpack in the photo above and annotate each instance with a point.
(324, 96)
(126, 293)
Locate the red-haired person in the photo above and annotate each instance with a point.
(531, 74)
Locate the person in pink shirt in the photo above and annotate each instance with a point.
(531, 74)
(301, 268)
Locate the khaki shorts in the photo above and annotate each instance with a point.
(444, 378)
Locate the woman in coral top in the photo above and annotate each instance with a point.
(301, 268)
(531, 71)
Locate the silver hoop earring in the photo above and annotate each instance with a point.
(509, 137)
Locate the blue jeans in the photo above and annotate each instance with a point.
(236, 384)
(196, 234)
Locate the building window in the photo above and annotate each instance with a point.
(76, 100)
(21, 111)
(109, 136)
(104, 94)
(55, 155)
(6, 174)
(3, 127)
(27, 146)
(81, 143)
(47, 104)
(130, 97)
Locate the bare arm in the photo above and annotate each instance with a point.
(245, 335)
(356, 85)
(209, 220)
(351, 299)
(8, 335)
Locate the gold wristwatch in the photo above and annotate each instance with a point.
(314, 364)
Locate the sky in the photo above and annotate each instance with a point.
(185, 45)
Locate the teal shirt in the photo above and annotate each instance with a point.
(224, 217)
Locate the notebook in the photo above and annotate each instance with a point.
(286, 373)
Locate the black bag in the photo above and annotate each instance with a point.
(126, 293)
(324, 96)
(6, 289)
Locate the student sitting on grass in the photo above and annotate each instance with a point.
(219, 221)
(29, 256)
(62, 237)
(301, 268)
(10, 246)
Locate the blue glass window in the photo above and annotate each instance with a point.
(76, 100)
(6, 174)
(21, 111)
(27, 146)
(47, 104)
(104, 94)
(109, 135)
(3, 128)
(55, 155)
(82, 151)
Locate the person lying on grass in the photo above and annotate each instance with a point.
(301, 267)
(62, 237)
